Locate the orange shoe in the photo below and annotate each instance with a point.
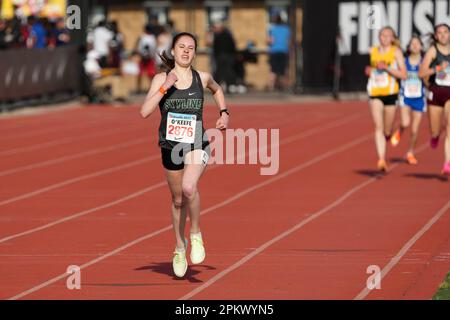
(382, 165)
(411, 159)
(395, 138)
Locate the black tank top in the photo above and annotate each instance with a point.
(186, 110)
(438, 61)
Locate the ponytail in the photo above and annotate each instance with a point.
(167, 60)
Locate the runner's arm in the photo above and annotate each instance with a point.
(160, 83)
(219, 98)
(425, 70)
(399, 73)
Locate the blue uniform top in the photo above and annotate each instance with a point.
(412, 91)
(281, 35)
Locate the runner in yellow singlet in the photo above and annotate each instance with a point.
(387, 67)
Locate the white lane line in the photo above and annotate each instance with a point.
(79, 178)
(396, 259)
(27, 133)
(223, 203)
(59, 142)
(73, 156)
(85, 212)
(162, 183)
(283, 235)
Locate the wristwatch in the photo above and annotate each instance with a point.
(224, 110)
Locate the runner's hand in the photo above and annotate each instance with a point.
(222, 122)
(170, 80)
(382, 65)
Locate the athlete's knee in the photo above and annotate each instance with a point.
(405, 123)
(177, 202)
(378, 129)
(189, 190)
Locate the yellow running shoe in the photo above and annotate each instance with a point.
(179, 263)
(197, 248)
(395, 139)
(411, 159)
(382, 165)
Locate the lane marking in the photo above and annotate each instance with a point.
(396, 259)
(283, 235)
(78, 179)
(150, 188)
(63, 141)
(73, 157)
(221, 204)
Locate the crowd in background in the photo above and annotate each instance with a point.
(33, 32)
(107, 59)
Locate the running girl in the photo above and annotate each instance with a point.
(179, 95)
(386, 67)
(412, 98)
(436, 65)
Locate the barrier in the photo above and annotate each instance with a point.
(36, 73)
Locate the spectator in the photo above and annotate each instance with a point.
(224, 53)
(3, 35)
(116, 46)
(100, 81)
(25, 31)
(146, 48)
(163, 43)
(99, 39)
(60, 33)
(15, 34)
(170, 28)
(244, 56)
(279, 41)
(38, 35)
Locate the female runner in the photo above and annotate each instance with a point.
(387, 66)
(436, 65)
(412, 98)
(184, 146)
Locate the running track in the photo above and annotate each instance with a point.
(85, 187)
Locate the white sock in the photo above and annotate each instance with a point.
(180, 249)
(198, 234)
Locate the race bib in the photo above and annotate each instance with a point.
(379, 78)
(181, 127)
(413, 86)
(443, 77)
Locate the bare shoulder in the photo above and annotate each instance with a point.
(431, 51)
(205, 77)
(398, 52)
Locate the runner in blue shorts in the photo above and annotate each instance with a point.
(412, 98)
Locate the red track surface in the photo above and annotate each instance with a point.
(85, 187)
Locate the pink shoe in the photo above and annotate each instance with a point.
(446, 169)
